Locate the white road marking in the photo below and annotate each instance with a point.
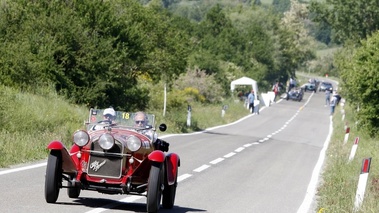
(218, 160)
(201, 168)
(183, 177)
(229, 155)
(128, 199)
(239, 149)
(22, 168)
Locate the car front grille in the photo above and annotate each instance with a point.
(105, 163)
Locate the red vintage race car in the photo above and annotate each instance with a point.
(115, 155)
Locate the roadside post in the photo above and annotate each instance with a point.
(346, 135)
(354, 149)
(362, 183)
(223, 110)
(189, 109)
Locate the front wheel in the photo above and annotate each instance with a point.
(154, 188)
(169, 192)
(72, 190)
(53, 177)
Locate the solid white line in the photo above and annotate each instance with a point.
(218, 160)
(201, 168)
(22, 168)
(311, 190)
(229, 155)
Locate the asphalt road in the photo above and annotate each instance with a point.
(260, 164)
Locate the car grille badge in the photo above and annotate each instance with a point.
(95, 166)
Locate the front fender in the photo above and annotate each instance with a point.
(157, 156)
(172, 164)
(68, 165)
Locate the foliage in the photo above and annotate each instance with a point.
(350, 19)
(360, 80)
(205, 87)
(92, 51)
(337, 189)
(29, 122)
(296, 45)
(281, 6)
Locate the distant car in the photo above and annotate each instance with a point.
(114, 157)
(309, 87)
(295, 94)
(325, 86)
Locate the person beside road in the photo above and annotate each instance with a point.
(250, 100)
(327, 96)
(276, 89)
(333, 103)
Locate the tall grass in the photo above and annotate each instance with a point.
(29, 122)
(337, 190)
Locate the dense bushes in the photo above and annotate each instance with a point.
(360, 79)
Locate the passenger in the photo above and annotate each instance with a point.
(109, 115)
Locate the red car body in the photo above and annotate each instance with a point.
(116, 158)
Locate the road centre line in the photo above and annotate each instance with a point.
(183, 177)
(201, 168)
(239, 149)
(229, 155)
(218, 160)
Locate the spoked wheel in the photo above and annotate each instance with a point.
(53, 177)
(72, 191)
(169, 192)
(154, 188)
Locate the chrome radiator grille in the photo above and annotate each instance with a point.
(105, 163)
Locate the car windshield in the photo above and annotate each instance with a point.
(125, 119)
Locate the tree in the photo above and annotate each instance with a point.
(349, 19)
(360, 80)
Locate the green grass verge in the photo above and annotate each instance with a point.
(29, 122)
(337, 190)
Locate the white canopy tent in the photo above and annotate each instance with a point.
(245, 81)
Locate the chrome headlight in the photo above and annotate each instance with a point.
(106, 141)
(81, 138)
(133, 143)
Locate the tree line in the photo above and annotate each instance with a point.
(96, 52)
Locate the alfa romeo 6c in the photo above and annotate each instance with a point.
(117, 153)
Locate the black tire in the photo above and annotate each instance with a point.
(53, 177)
(73, 192)
(169, 192)
(154, 188)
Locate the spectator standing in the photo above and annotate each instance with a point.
(333, 103)
(256, 105)
(327, 96)
(292, 83)
(250, 100)
(276, 89)
(338, 97)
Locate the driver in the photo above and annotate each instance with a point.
(140, 119)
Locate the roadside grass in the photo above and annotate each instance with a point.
(202, 116)
(30, 122)
(339, 181)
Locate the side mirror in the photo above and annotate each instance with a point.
(162, 127)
